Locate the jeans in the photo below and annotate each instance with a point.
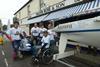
(35, 38)
(16, 45)
(34, 51)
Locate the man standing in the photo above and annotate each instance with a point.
(42, 29)
(15, 33)
(51, 33)
(53, 36)
(35, 33)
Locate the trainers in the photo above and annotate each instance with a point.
(20, 55)
(34, 59)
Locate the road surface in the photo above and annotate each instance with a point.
(7, 61)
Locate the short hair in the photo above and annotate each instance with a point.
(45, 31)
(16, 22)
(11, 25)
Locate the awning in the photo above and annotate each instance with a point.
(36, 19)
(85, 8)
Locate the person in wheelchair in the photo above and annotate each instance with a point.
(45, 44)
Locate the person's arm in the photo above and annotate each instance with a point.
(46, 42)
(32, 35)
(31, 31)
(22, 33)
(19, 32)
(8, 36)
(44, 45)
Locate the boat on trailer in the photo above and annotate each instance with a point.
(86, 31)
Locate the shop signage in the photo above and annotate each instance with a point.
(51, 8)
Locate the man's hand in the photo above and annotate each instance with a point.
(17, 33)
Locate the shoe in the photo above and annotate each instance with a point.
(20, 55)
(34, 59)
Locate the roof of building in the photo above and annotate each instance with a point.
(23, 6)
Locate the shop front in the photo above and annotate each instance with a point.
(81, 10)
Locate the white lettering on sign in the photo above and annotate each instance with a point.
(52, 8)
(68, 26)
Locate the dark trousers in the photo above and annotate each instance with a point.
(35, 49)
(16, 45)
(35, 38)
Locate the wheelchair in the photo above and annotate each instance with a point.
(44, 56)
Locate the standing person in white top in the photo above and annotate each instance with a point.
(42, 29)
(53, 36)
(51, 33)
(15, 33)
(35, 33)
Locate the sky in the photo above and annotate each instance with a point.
(8, 8)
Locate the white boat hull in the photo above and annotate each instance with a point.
(87, 38)
(84, 31)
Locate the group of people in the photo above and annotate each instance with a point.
(37, 32)
(39, 36)
(42, 36)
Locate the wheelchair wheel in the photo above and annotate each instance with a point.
(47, 56)
(34, 60)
